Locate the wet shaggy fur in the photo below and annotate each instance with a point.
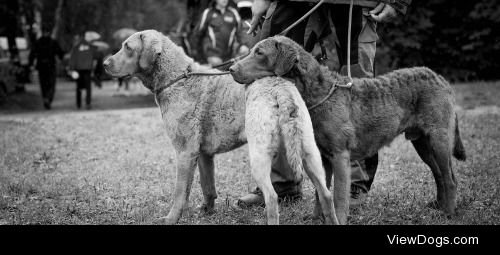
(203, 115)
(277, 117)
(355, 123)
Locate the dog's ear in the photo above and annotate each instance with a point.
(286, 59)
(151, 49)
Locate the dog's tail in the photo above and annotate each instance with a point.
(292, 136)
(459, 149)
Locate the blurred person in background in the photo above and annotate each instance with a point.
(219, 30)
(44, 52)
(99, 69)
(83, 59)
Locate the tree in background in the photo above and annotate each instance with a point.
(459, 39)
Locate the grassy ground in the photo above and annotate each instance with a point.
(117, 167)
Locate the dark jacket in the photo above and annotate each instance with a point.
(219, 31)
(83, 56)
(400, 5)
(44, 51)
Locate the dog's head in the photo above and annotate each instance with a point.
(275, 56)
(138, 53)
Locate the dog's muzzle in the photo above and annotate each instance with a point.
(235, 72)
(107, 63)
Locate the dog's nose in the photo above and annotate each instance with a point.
(107, 63)
(232, 69)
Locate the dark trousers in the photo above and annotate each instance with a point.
(47, 76)
(363, 46)
(84, 82)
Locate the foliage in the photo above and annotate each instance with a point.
(105, 17)
(458, 39)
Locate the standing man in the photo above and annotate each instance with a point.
(218, 30)
(44, 51)
(83, 60)
(278, 16)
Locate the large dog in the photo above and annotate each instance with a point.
(355, 123)
(203, 115)
(277, 118)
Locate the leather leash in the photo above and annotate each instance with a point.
(188, 73)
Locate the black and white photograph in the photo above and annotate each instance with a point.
(251, 112)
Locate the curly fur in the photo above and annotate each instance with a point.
(203, 115)
(355, 123)
(276, 116)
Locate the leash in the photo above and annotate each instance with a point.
(350, 83)
(330, 94)
(349, 34)
(303, 18)
(296, 23)
(186, 75)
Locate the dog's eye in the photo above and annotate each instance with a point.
(128, 47)
(258, 52)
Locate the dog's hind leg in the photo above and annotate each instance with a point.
(317, 213)
(207, 181)
(261, 162)
(315, 171)
(341, 164)
(440, 142)
(186, 165)
(424, 150)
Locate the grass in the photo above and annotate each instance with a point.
(118, 167)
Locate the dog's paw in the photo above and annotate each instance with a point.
(316, 219)
(206, 210)
(165, 221)
(435, 205)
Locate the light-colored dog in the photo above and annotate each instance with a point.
(276, 117)
(355, 123)
(203, 115)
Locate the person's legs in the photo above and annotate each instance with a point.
(44, 75)
(79, 87)
(281, 15)
(363, 48)
(88, 87)
(285, 14)
(42, 79)
(51, 85)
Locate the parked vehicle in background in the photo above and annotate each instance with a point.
(14, 72)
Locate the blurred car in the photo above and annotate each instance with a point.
(14, 72)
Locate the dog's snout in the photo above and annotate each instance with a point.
(232, 69)
(107, 63)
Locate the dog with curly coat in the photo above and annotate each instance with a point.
(205, 116)
(355, 123)
(277, 118)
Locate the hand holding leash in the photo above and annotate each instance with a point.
(259, 9)
(383, 13)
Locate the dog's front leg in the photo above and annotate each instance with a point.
(186, 165)
(207, 181)
(342, 184)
